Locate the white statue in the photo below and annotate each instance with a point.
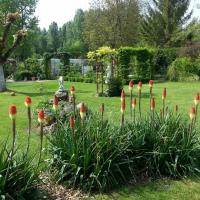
(61, 83)
(108, 74)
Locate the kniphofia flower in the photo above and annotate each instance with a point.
(55, 103)
(196, 99)
(28, 101)
(41, 116)
(71, 122)
(102, 108)
(12, 111)
(152, 104)
(131, 85)
(140, 85)
(192, 113)
(134, 103)
(72, 89)
(82, 110)
(123, 106)
(122, 95)
(151, 83)
(164, 94)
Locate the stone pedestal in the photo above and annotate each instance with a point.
(62, 95)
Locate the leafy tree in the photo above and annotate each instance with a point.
(112, 22)
(72, 35)
(164, 19)
(26, 8)
(5, 49)
(53, 37)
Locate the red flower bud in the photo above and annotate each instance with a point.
(152, 104)
(28, 101)
(164, 94)
(134, 103)
(192, 113)
(71, 122)
(151, 83)
(72, 89)
(12, 111)
(140, 85)
(55, 103)
(196, 99)
(131, 85)
(41, 116)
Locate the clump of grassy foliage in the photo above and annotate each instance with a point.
(97, 155)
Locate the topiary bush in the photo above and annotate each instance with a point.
(114, 87)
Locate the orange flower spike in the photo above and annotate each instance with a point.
(55, 103)
(102, 108)
(153, 104)
(164, 94)
(151, 83)
(71, 122)
(41, 116)
(140, 85)
(131, 85)
(28, 101)
(12, 111)
(196, 99)
(122, 95)
(192, 113)
(123, 106)
(82, 111)
(72, 89)
(134, 103)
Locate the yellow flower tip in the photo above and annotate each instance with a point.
(41, 121)
(192, 116)
(82, 114)
(12, 116)
(196, 102)
(55, 107)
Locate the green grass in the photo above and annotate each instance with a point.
(159, 190)
(177, 93)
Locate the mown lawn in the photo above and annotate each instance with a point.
(177, 93)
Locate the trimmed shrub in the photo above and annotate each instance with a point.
(162, 59)
(137, 61)
(114, 87)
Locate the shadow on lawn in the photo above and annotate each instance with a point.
(32, 94)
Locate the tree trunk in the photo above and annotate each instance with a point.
(2, 79)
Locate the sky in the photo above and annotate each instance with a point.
(62, 11)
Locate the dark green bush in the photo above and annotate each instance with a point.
(137, 61)
(114, 87)
(34, 66)
(183, 69)
(20, 76)
(162, 59)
